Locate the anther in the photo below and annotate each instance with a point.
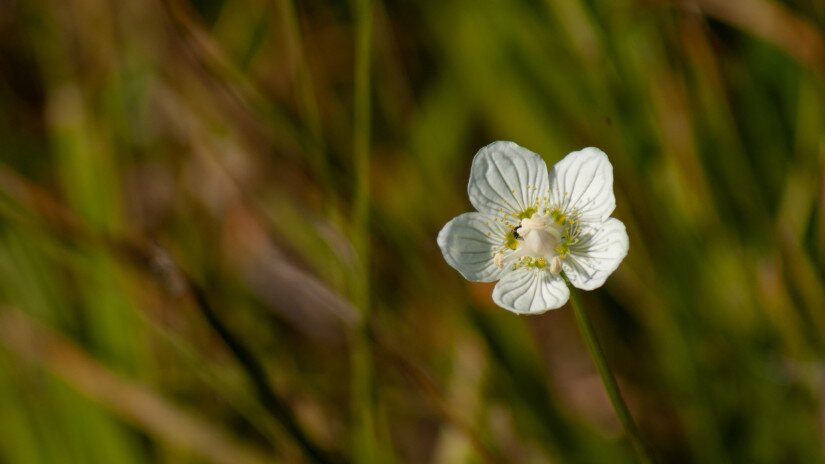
(555, 265)
(498, 259)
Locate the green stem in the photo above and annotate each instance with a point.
(609, 381)
(364, 391)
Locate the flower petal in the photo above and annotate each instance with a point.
(597, 255)
(507, 178)
(468, 242)
(530, 291)
(583, 182)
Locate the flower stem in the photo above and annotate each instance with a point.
(609, 381)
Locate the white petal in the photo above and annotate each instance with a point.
(468, 243)
(506, 177)
(597, 255)
(530, 291)
(583, 182)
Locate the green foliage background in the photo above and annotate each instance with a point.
(218, 221)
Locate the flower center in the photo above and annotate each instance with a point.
(536, 242)
(539, 240)
(540, 237)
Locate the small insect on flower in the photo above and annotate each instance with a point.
(531, 226)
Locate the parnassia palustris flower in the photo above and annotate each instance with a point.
(533, 225)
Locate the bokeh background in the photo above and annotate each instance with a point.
(218, 222)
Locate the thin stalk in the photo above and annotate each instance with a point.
(310, 112)
(273, 403)
(363, 388)
(608, 380)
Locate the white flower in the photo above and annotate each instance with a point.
(532, 225)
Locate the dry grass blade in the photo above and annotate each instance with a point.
(772, 22)
(131, 402)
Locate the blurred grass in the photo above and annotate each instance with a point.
(258, 152)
